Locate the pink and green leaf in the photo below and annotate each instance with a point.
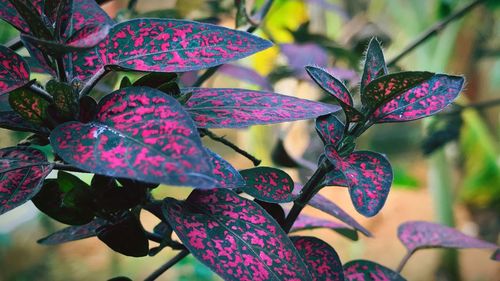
(25, 16)
(224, 173)
(322, 260)
(305, 222)
(14, 70)
(32, 107)
(239, 108)
(9, 119)
(374, 64)
(268, 184)
(139, 133)
(364, 270)
(234, 237)
(66, 102)
(22, 171)
(330, 129)
(73, 233)
(423, 100)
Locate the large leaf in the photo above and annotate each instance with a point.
(163, 45)
(225, 174)
(305, 222)
(139, 133)
(25, 16)
(330, 129)
(374, 64)
(417, 235)
(421, 101)
(239, 108)
(335, 88)
(383, 89)
(11, 120)
(368, 270)
(73, 233)
(369, 177)
(323, 262)
(321, 203)
(14, 70)
(30, 106)
(268, 184)
(22, 171)
(234, 236)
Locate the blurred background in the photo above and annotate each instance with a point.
(446, 168)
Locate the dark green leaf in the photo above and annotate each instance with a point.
(65, 100)
(30, 106)
(126, 237)
(268, 184)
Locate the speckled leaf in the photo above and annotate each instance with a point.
(9, 119)
(224, 173)
(305, 222)
(268, 184)
(363, 270)
(330, 129)
(163, 45)
(239, 108)
(417, 235)
(65, 100)
(14, 70)
(369, 177)
(234, 236)
(423, 100)
(322, 260)
(9, 14)
(29, 105)
(335, 88)
(42, 59)
(321, 203)
(374, 64)
(385, 88)
(139, 133)
(73, 233)
(334, 177)
(22, 171)
(25, 16)
(273, 209)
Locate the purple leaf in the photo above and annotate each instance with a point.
(305, 222)
(11, 120)
(22, 171)
(246, 74)
(337, 89)
(9, 14)
(322, 260)
(162, 45)
(239, 108)
(268, 184)
(330, 129)
(321, 203)
(40, 62)
(234, 236)
(331, 7)
(73, 233)
(374, 64)
(299, 55)
(334, 177)
(85, 14)
(139, 133)
(14, 70)
(225, 174)
(423, 100)
(24, 16)
(361, 270)
(417, 235)
(369, 177)
(385, 88)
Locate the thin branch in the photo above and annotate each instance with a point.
(261, 14)
(61, 72)
(233, 146)
(434, 30)
(66, 167)
(403, 261)
(40, 91)
(182, 254)
(92, 81)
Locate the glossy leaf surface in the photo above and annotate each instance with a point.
(426, 99)
(268, 184)
(239, 108)
(330, 129)
(367, 270)
(224, 173)
(30, 106)
(322, 260)
(305, 222)
(14, 70)
(234, 236)
(139, 133)
(73, 233)
(420, 234)
(374, 64)
(369, 177)
(22, 171)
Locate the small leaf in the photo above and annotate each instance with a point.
(374, 64)
(239, 108)
(30, 106)
(323, 262)
(139, 133)
(337, 89)
(334, 177)
(385, 88)
(417, 235)
(14, 70)
(420, 101)
(305, 222)
(234, 236)
(321, 203)
(11, 120)
(126, 237)
(73, 233)
(268, 184)
(368, 270)
(368, 175)
(225, 174)
(330, 129)
(65, 100)
(22, 171)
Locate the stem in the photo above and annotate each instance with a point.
(182, 254)
(207, 74)
(40, 91)
(434, 30)
(66, 167)
(224, 141)
(60, 69)
(404, 261)
(92, 81)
